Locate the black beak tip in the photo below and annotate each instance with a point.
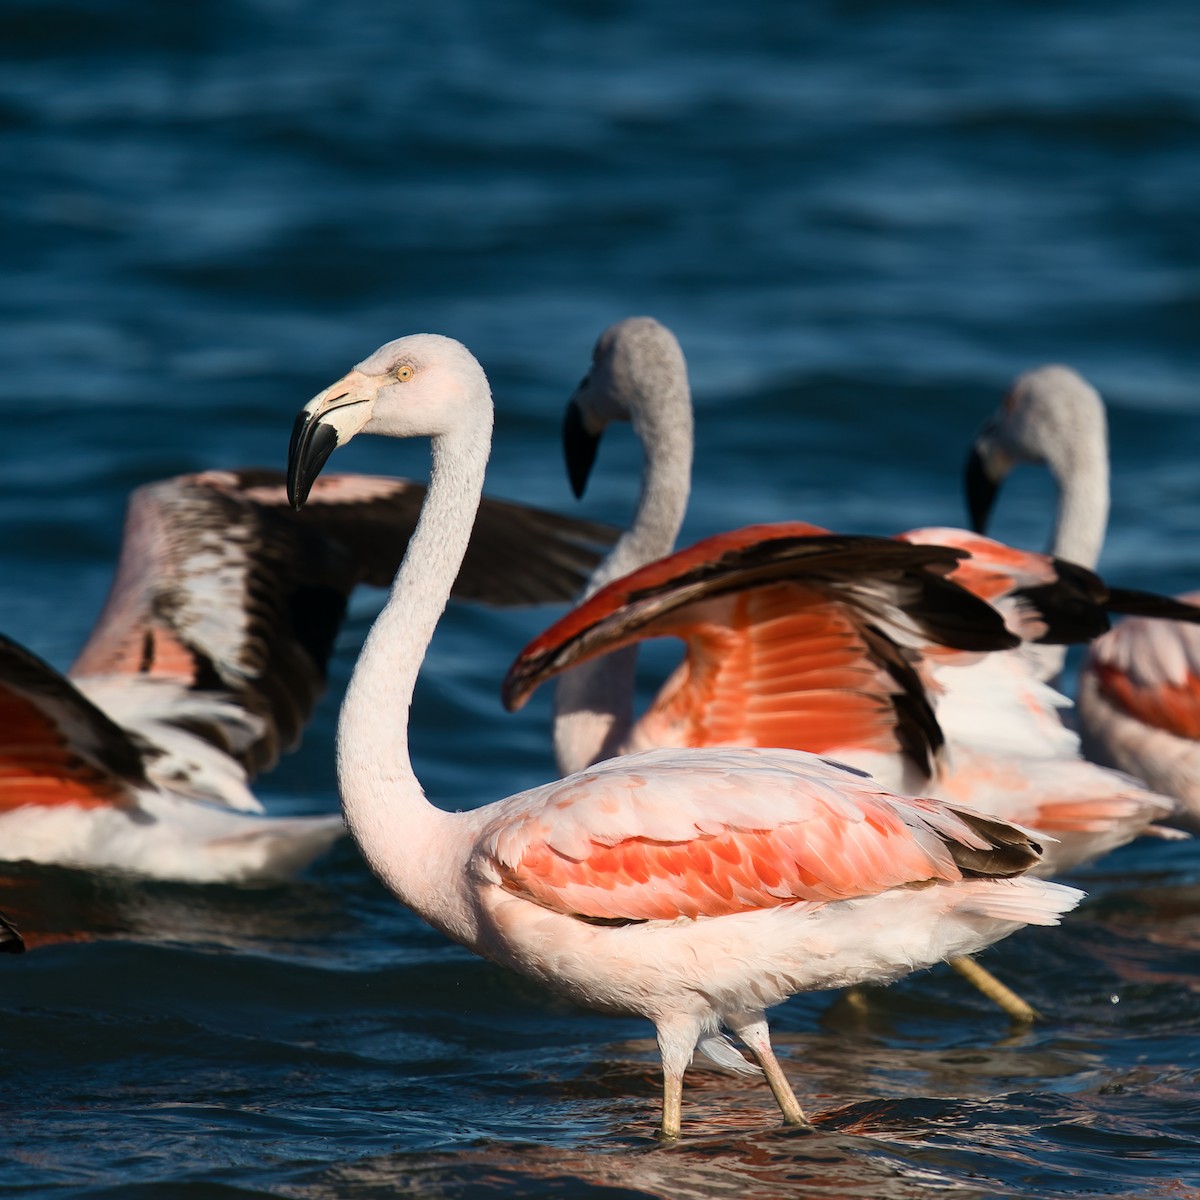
(311, 445)
(981, 491)
(579, 449)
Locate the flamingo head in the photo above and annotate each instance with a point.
(1050, 415)
(415, 386)
(637, 369)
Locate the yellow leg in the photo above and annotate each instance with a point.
(997, 992)
(672, 1110)
(758, 1041)
(793, 1114)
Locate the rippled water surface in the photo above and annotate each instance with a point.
(861, 219)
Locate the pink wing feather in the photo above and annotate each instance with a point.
(662, 835)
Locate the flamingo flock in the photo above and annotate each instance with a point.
(859, 769)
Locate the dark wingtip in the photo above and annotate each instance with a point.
(311, 445)
(1010, 851)
(1073, 606)
(1132, 602)
(981, 490)
(579, 448)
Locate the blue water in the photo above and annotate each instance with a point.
(861, 219)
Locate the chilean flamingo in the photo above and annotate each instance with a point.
(206, 663)
(1138, 698)
(695, 888)
(759, 659)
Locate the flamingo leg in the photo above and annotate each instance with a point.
(672, 1108)
(676, 1043)
(757, 1039)
(997, 992)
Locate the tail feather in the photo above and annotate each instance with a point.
(1027, 901)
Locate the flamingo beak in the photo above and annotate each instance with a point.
(981, 491)
(579, 444)
(330, 419)
(987, 466)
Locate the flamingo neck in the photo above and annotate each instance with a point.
(402, 836)
(593, 702)
(1083, 498)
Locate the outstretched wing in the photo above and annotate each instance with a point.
(226, 592)
(794, 637)
(667, 834)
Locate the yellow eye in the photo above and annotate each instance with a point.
(404, 373)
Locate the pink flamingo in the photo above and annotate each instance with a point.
(695, 888)
(1138, 696)
(207, 660)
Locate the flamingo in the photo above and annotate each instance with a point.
(1138, 696)
(695, 888)
(207, 660)
(762, 657)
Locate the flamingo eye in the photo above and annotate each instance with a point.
(404, 373)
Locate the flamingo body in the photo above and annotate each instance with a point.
(1139, 704)
(695, 888)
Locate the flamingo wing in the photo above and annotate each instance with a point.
(795, 637)
(1046, 599)
(661, 835)
(223, 590)
(517, 555)
(56, 746)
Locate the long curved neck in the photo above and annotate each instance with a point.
(593, 703)
(385, 808)
(1083, 498)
